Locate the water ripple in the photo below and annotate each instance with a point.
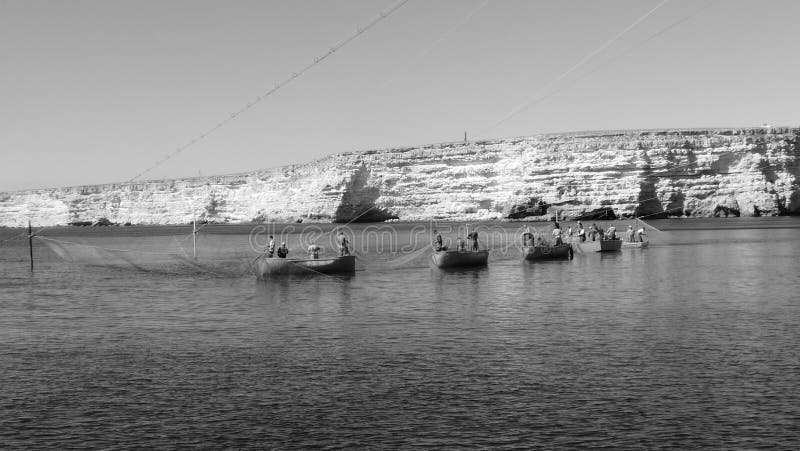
(673, 347)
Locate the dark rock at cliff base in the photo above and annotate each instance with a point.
(376, 215)
(722, 210)
(533, 207)
(524, 213)
(597, 214)
(729, 207)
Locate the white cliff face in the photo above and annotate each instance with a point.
(655, 173)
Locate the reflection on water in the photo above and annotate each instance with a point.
(688, 344)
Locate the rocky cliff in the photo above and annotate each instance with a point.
(633, 173)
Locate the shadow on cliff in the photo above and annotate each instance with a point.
(784, 206)
(358, 202)
(648, 204)
(792, 207)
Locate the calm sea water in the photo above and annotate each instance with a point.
(691, 343)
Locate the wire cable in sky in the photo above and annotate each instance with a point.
(524, 106)
(625, 53)
(438, 41)
(359, 31)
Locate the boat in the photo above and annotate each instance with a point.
(546, 252)
(599, 246)
(460, 259)
(635, 244)
(283, 266)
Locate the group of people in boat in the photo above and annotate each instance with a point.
(637, 235)
(471, 244)
(595, 232)
(313, 249)
(461, 245)
(528, 238)
(282, 251)
(341, 241)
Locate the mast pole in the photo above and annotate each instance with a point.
(194, 236)
(30, 242)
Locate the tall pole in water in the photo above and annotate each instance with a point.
(30, 242)
(194, 237)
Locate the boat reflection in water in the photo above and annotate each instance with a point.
(547, 252)
(635, 244)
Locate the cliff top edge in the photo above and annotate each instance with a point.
(677, 132)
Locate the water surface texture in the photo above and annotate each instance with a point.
(691, 343)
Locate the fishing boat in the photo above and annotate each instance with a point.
(460, 259)
(599, 246)
(545, 252)
(635, 244)
(282, 266)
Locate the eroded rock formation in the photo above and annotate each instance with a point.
(749, 172)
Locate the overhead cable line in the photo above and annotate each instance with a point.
(359, 31)
(439, 40)
(527, 104)
(611, 60)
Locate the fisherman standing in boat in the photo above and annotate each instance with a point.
(473, 236)
(313, 251)
(641, 233)
(557, 235)
(593, 231)
(283, 251)
(437, 241)
(611, 233)
(527, 237)
(631, 234)
(341, 239)
(271, 247)
(581, 232)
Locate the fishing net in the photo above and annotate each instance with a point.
(223, 256)
(231, 250)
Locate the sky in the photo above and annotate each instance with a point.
(98, 91)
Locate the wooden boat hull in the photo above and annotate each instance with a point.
(599, 246)
(610, 245)
(536, 253)
(283, 266)
(458, 259)
(636, 245)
